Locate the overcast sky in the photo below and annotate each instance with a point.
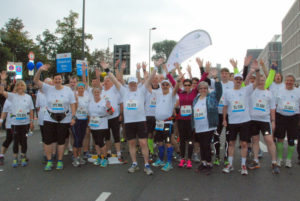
(234, 25)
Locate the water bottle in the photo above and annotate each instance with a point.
(30, 133)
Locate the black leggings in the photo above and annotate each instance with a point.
(217, 135)
(186, 136)
(79, 130)
(8, 139)
(98, 136)
(204, 140)
(298, 145)
(19, 134)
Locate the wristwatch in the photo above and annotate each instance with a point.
(74, 117)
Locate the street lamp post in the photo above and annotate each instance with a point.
(108, 43)
(83, 21)
(153, 28)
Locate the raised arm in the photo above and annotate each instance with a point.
(37, 76)
(3, 78)
(189, 70)
(111, 76)
(254, 68)
(234, 65)
(271, 75)
(247, 61)
(138, 72)
(146, 74)
(262, 64)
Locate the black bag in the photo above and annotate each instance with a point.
(58, 116)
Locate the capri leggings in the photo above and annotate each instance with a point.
(8, 139)
(99, 136)
(186, 136)
(78, 131)
(19, 135)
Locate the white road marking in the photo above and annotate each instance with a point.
(103, 196)
(263, 147)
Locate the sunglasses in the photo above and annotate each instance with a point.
(187, 85)
(165, 85)
(202, 88)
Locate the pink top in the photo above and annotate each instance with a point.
(186, 99)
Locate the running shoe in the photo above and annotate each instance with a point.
(227, 169)
(201, 167)
(98, 161)
(288, 163)
(82, 161)
(196, 158)
(148, 170)
(45, 160)
(59, 165)
(104, 163)
(244, 170)
(158, 163)
(226, 162)
(279, 162)
(48, 166)
(87, 155)
(275, 169)
(23, 162)
(167, 167)
(254, 165)
(217, 162)
(122, 160)
(189, 164)
(15, 163)
(66, 152)
(182, 163)
(176, 156)
(2, 160)
(151, 158)
(133, 168)
(76, 162)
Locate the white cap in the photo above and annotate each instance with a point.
(167, 81)
(132, 79)
(238, 75)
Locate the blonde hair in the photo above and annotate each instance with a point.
(20, 82)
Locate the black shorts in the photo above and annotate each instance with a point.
(243, 129)
(136, 129)
(165, 135)
(55, 132)
(42, 133)
(114, 126)
(259, 126)
(99, 136)
(220, 124)
(150, 124)
(286, 125)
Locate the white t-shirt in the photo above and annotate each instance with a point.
(7, 109)
(112, 95)
(262, 101)
(225, 88)
(288, 101)
(58, 101)
(20, 108)
(98, 115)
(238, 104)
(133, 102)
(274, 88)
(41, 102)
(82, 107)
(151, 102)
(200, 117)
(164, 105)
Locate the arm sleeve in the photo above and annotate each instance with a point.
(171, 79)
(218, 89)
(270, 78)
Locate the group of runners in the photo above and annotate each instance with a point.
(168, 118)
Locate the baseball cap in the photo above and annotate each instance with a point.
(238, 75)
(132, 79)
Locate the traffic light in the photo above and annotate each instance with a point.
(122, 52)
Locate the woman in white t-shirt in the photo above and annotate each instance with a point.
(79, 129)
(22, 116)
(59, 116)
(98, 111)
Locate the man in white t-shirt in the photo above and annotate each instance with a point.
(236, 104)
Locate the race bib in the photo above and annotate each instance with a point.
(57, 105)
(131, 105)
(21, 114)
(221, 103)
(288, 106)
(152, 102)
(199, 114)
(260, 105)
(238, 106)
(81, 113)
(159, 125)
(185, 110)
(94, 122)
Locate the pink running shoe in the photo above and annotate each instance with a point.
(189, 164)
(182, 163)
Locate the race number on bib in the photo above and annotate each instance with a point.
(152, 102)
(238, 106)
(221, 103)
(289, 106)
(81, 113)
(21, 115)
(57, 105)
(260, 105)
(131, 105)
(186, 110)
(159, 125)
(199, 114)
(94, 122)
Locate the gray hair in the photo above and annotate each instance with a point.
(202, 84)
(290, 75)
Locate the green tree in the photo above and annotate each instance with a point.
(163, 49)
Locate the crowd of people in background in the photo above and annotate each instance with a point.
(168, 118)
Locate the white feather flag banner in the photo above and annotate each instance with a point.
(188, 46)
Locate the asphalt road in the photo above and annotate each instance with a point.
(114, 183)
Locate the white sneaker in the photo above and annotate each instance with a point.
(76, 162)
(244, 170)
(133, 168)
(288, 163)
(279, 162)
(228, 168)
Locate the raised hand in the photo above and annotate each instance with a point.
(233, 63)
(261, 62)
(207, 67)
(254, 65)
(247, 60)
(123, 64)
(98, 73)
(177, 66)
(144, 66)
(138, 66)
(159, 62)
(104, 65)
(164, 67)
(117, 63)
(199, 62)
(45, 67)
(180, 77)
(274, 66)
(189, 69)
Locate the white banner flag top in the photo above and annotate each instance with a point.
(188, 46)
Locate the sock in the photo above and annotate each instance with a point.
(146, 164)
(243, 161)
(279, 146)
(109, 152)
(119, 154)
(150, 145)
(204, 163)
(256, 160)
(169, 154)
(134, 163)
(59, 161)
(274, 162)
(161, 152)
(230, 159)
(290, 152)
